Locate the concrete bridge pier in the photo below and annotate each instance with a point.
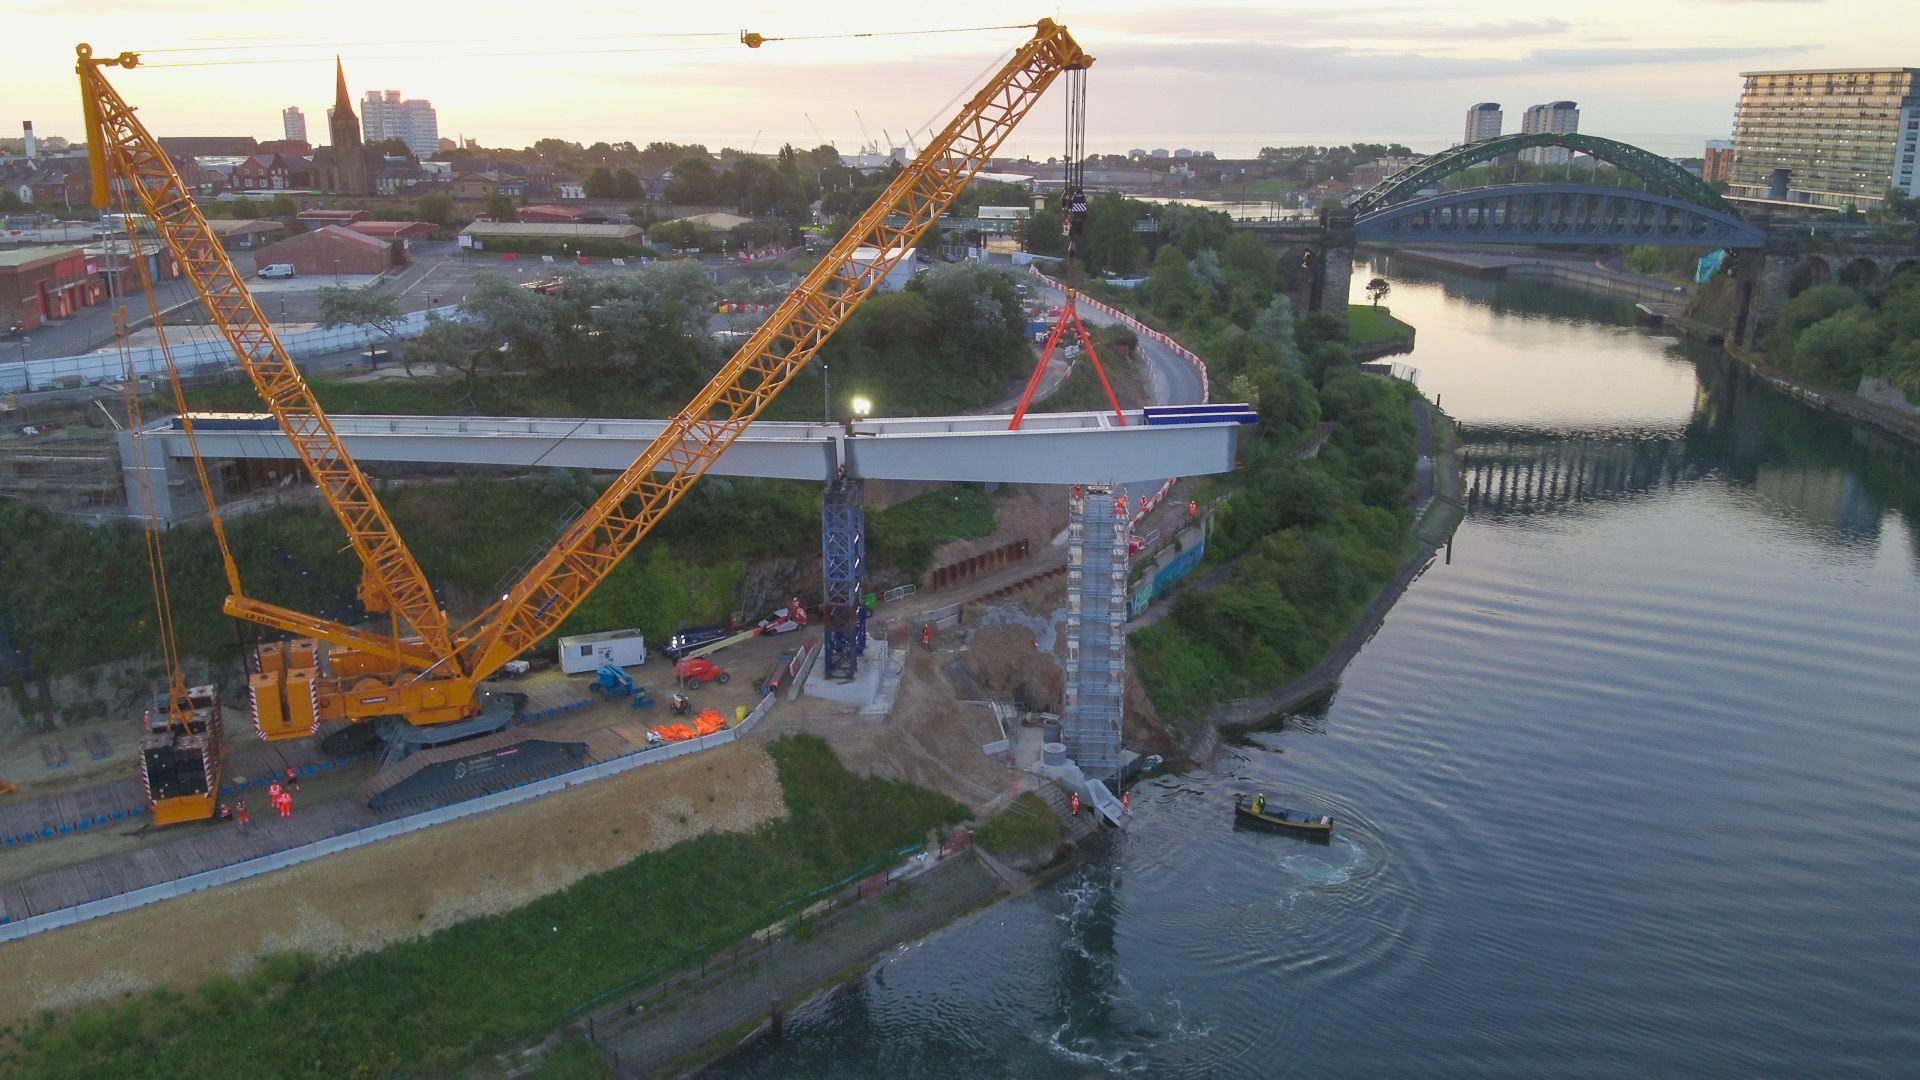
(1333, 265)
(1763, 281)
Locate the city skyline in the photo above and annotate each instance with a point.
(1663, 75)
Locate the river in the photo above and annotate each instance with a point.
(1631, 786)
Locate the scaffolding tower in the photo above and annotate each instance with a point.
(1096, 665)
(843, 565)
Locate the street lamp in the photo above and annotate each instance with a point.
(861, 407)
(826, 394)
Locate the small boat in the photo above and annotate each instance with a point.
(1256, 810)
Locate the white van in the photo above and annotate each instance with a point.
(582, 653)
(276, 270)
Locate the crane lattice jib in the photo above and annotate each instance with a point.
(697, 435)
(121, 149)
(1658, 172)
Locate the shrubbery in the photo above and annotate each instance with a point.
(1833, 335)
(1310, 541)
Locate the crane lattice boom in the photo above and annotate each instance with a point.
(440, 671)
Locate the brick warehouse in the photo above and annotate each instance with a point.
(331, 249)
(41, 284)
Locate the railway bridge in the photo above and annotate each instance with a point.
(1769, 260)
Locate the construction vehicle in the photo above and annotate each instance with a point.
(785, 620)
(612, 680)
(686, 641)
(695, 670)
(419, 679)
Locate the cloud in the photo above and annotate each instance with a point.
(1224, 60)
(1314, 25)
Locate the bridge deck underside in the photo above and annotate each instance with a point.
(1555, 214)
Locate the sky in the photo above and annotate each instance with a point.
(1210, 76)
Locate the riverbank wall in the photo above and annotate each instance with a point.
(1579, 273)
(1885, 419)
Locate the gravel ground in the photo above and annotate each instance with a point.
(405, 887)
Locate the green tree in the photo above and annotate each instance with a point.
(1811, 306)
(1377, 289)
(500, 207)
(599, 183)
(1172, 289)
(435, 208)
(694, 182)
(626, 185)
(455, 346)
(518, 322)
(1837, 349)
(367, 308)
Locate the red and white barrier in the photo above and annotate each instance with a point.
(1146, 503)
(1142, 329)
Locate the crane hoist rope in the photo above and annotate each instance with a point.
(1073, 224)
(443, 665)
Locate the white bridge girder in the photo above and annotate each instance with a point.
(1049, 448)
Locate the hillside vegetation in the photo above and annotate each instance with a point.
(1832, 335)
(1301, 546)
(445, 1005)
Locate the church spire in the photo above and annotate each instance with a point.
(341, 100)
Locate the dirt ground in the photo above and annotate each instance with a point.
(932, 739)
(22, 764)
(396, 889)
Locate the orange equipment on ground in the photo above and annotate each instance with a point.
(708, 722)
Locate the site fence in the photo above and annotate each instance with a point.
(196, 351)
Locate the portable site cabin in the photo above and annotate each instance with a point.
(582, 653)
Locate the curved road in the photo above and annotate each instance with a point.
(1170, 379)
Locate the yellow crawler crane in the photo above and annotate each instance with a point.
(424, 671)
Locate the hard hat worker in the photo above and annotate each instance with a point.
(240, 812)
(293, 778)
(1076, 804)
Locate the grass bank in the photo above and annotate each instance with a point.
(441, 1006)
(1026, 827)
(905, 535)
(1372, 328)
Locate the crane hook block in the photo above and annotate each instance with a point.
(751, 41)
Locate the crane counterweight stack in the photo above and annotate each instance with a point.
(425, 671)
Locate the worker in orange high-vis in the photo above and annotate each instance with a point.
(286, 804)
(926, 636)
(1076, 804)
(1193, 508)
(240, 812)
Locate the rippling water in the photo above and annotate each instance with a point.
(1630, 787)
